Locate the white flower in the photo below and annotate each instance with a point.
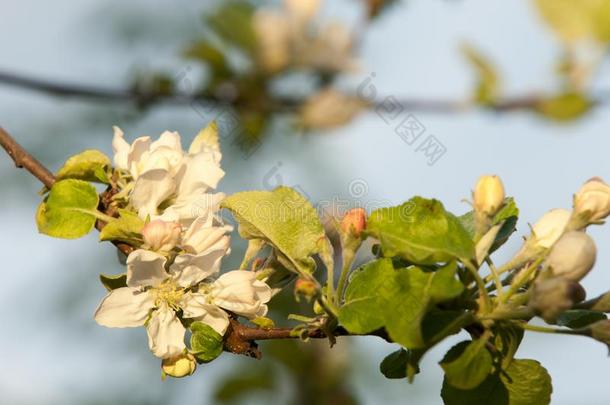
(166, 175)
(573, 256)
(160, 235)
(203, 235)
(153, 297)
(550, 227)
(593, 200)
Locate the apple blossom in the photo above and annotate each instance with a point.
(488, 195)
(160, 235)
(573, 256)
(550, 227)
(592, 201)
(179, 366)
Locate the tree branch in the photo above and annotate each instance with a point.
(24, 160)
(280, 104)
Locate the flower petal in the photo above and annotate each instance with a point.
(170, 139)
(202, 235)
(138, 148)
(150, 190)
(187, 208)
(239, 291)
(120, 148)
(124, 308)
(198, 172)
(195, 306)
(189, 270)
(145, 269)
(165, 333)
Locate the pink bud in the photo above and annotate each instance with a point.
(354, 221)
(160, 235)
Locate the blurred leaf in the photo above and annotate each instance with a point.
(394, 365)
(127, 228)
(467, 364)
(579, 318)
(488, 87)
(284, 219)
(64, 213)
(574, 20)
(525, 382)
(89, 165)
(420, 231)
(507, 340)
(211, 55)
(112, 282)
(564, 107)
(237, 386)
(206, 343)
(329, 109)
(232, 22)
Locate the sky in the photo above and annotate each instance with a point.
(52, 350)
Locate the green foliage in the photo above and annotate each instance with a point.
(564, 107)
(66, 211)
(232, 22)
(487, 88)
(236, 386)
(507, 216)
(523, 382)
(112, 282)
(467, 364)
(420, 231)
(207, 52)
(579, 318)
(206, 343)
(127, 228)
(394, 365)
(576, 20)
(89, 165)
(282, 218)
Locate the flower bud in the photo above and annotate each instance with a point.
(592, 201)
(488, 195)
(302, 9)
(573, 256)
(552, 296)
(179, 366)
(550, 227)
(305, 288)
(160, 235)
(354, 222)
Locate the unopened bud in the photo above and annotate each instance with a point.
(354, 222)
(550, 227)
(160, 235)
(552, 296)
(488, 195)
(179, 366)
(305, 288)
(573, 256)
(592, 201)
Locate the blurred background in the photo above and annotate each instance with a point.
(51, 349)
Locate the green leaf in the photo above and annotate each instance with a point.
(487, 88)
(366, 295)
(89, 165)
(525, 382)
(210, 54)
(576, 20)
(232, 22)
(467, 364)
(112, 282)
(579, 318)
(206, 343)
(420, 231)
(414, 292)
(282, 218)
(507, 340)
(64, 213)
(394, 365)
(508, 214)
(127, 228)
(206, 138)
(564, 107)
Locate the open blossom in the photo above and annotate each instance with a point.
(154, 295)
(166, 175)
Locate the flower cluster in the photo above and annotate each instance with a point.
(173, 277)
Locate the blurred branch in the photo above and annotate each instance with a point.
(143, 97)
(24, 160)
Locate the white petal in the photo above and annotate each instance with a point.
(120, 148)
(189, 270)
(195, 306)
(238, 291)
(124, 308)
(150, 190)
(138, 148)
(168, 139)
(165, 333)
(145, 268)
(198, 172)
(202, 235)
(187, 208)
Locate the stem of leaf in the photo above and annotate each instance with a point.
(481, 286)
(348, 260)
(95, 213)
(495, 276)
(521, 279)
(546, 329)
